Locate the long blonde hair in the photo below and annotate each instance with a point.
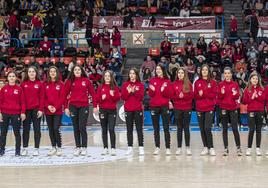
(254, 73)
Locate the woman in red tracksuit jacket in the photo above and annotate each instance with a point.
(160, 92)
(133, 94)
(33, 90)
(205, 92)
(182, 101)
(116, 38)
(107, 98)
(54, 100)
(254, 97)
(77, 90)
(228, 94)
(12, 108)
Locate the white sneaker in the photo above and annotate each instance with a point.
(59, 152)
(141, 150)
(179, 151)
(204, 151)
(129, 151)
(77, 152)
(258, 152)
(156, 151)
(113, 152)
(212, 152)
(248, 152)
(83, 152)
(266, 153)
(105, 151)
(188, 151)
(36, 152)
(168, 152)
(52, 152)
(24, 152)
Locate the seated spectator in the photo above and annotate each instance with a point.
(251, 43)
(252, 65)
(214, 49)
(148, 63)
(195, 12)
(165, 47)
(190, 67)
(63, 69)
(146, 76)
(128, 18)
(116, 38)
(95, 77)
(185, 12)
(98, 55)
(4, 38)
(247, 7)
(226, 57)
(114, 66)
(238, 55)
(224, 43)
(56, 49)
(120, 5)
(164, 7)
(175, 7)
(45, 47)
(262, 45)
(200, 60)
(173, 67)
(242, 75)
(189, 47)
(117, 55)
(252, 53)
(202, 45)
(33, 62)
(264, 70)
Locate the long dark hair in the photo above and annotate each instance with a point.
(209, 73)
(113, 83)
(37, 77)
(165, 75)
(186, 81)
(71, 75)
(57, 76)
(136, 73)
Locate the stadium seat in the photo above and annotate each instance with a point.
(218, 10)
(153, 10)
(207, 10)
(154, 52)
(40, 60)
(80, 60)
(56, 59)
(26, 60)
(180, 50)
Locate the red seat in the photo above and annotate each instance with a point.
(153, 10)
(123, 51)
(154, 51)
(26, 60)
(207, 10)
(40, 60)
(180, 50)
(55, 59)
(218, 10)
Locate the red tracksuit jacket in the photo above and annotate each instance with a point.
(206, 102)
(110, 101)
(77, 93)
(184, 103)
(133, 101)
(54, 96)
(34, 94)
(257, 104)
(227, 101)
(159, 98)
(12, 100)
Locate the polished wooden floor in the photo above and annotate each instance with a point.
(148, 171)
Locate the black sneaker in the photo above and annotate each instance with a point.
(2, 151)
(17, 152)
(225, 152)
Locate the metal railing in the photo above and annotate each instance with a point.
(41, 39)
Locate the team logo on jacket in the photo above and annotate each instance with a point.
(209, 85)
(83, 83)
(57, 87)
(36, 86)
(5, 90)
(199, 85)
(260, 93)
(25, 85)
(47, 87)
(16, 92)
(155, 83)
(177, 87)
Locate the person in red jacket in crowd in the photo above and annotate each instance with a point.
(77, 90)
(182, 101)
(108, 95)
(12, 108)
(205, 92)
(116, 38)
(14, 25)
(33, 90)
(165, 47)
(96, 38)
(106, 40)
(133, 94)
(160, 93)
(228, 94)
(254, 97)
(54, 101)
(233, 27)
(37, 26)
(45, 47)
